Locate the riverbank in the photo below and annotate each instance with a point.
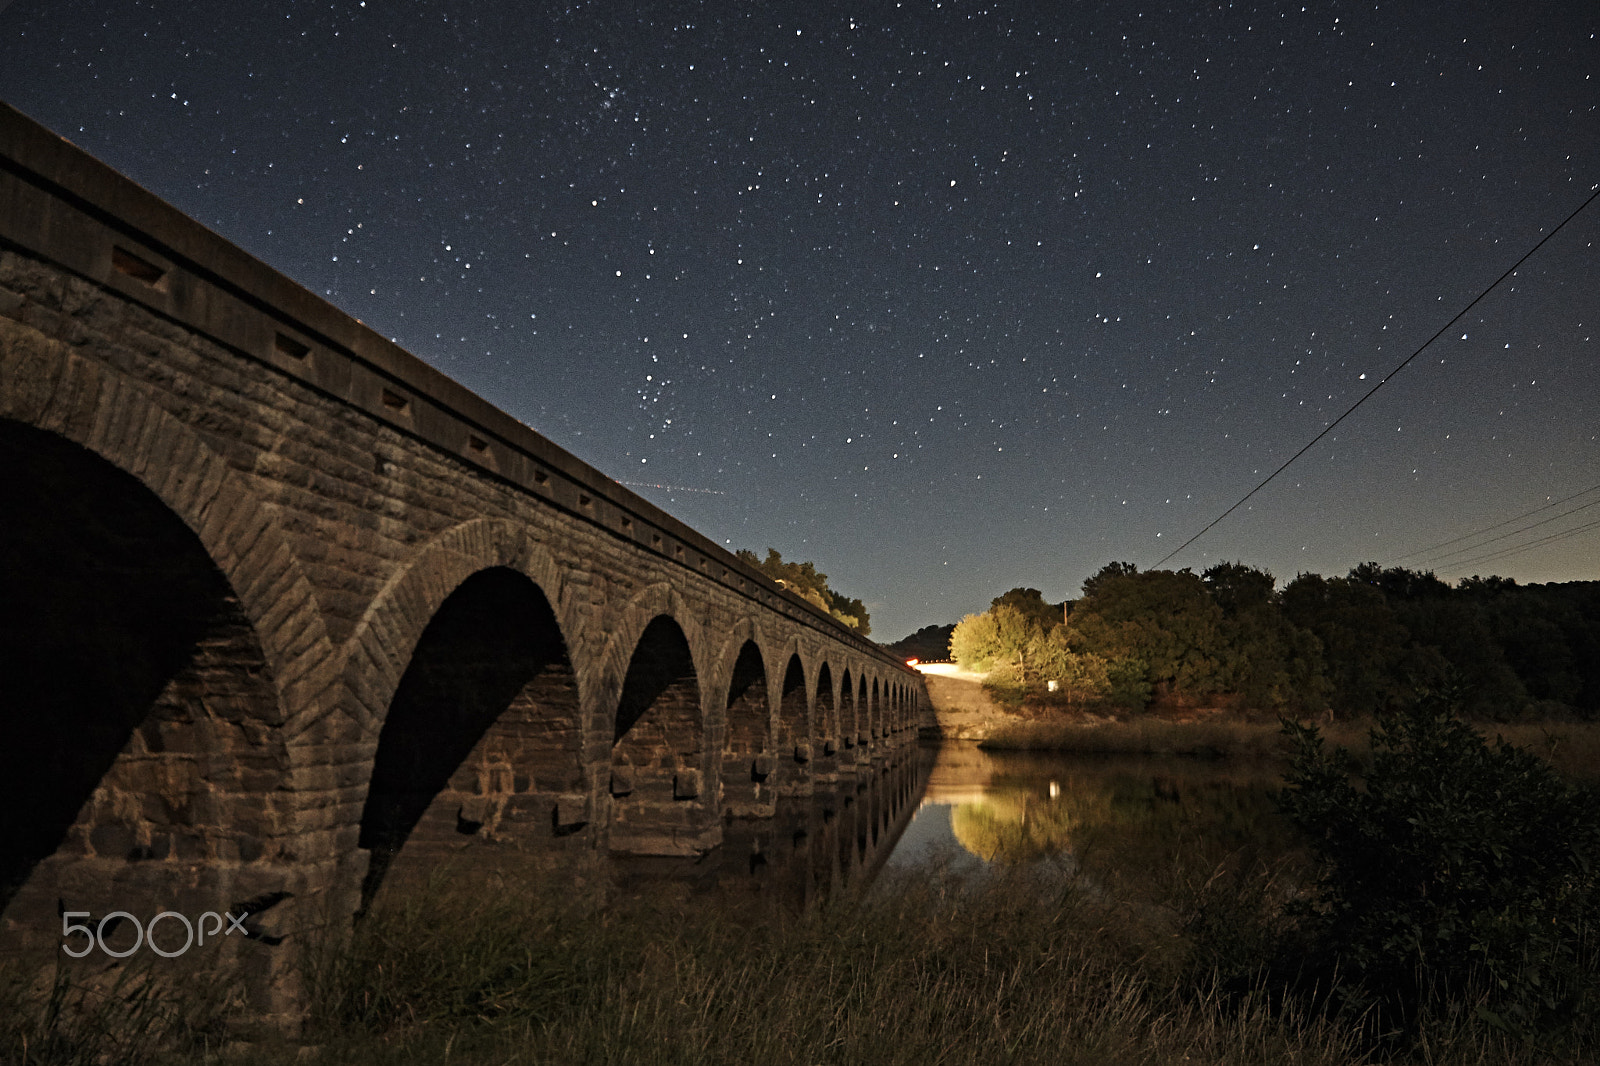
(1572, 748)
(965, 710)
(962, 707)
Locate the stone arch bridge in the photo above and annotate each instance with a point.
(279, 602)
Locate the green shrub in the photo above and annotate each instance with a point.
(1464, 877)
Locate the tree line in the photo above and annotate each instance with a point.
(1355, 645)
(804, 581)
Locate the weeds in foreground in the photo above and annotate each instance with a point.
(1026, 966)
(71, 1016)
(1020, 968)
(1460, 872)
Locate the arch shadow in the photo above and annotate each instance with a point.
(483, 736)
(142, 712)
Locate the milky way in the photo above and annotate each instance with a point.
(948, 297)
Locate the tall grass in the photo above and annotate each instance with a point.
(73, 1015)
(1013, 969)
(1021, 967)
(1212, 738)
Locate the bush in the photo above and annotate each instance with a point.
(1464, 876)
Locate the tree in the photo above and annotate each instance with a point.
(1080, 678)
(1238, 588)
(1460, 873)
(1163, 619)
(1030, 603)
(999, 639)
(1535, 633)
(1363, 644)
(1108, 573)
(975, 642)
(1025, 649)
(804, 580)
(1266, 660)
(928, 643)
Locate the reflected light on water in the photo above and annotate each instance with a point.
(984, 809)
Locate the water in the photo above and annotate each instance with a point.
(1123, 824)
(1133, 821)
(836, 837)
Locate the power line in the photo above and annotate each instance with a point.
(1531, 544)
(1515, 532)
(1467, 536)
(1385, 379)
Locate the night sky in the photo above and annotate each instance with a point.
(946, 296)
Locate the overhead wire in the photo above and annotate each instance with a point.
(1329, 428)
(1519, 530)
(1563, 535)
(1467, 536)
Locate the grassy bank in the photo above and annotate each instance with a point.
(1573, 748)
(1025, 968)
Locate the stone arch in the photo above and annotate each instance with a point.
(608, 664)
(793, 723)
(793, 711)
(659, 752)
(747, 761)
(825, 734)
(863, 714)
(380, 650)
(45, 386)
(145, 761)
(847, 716)
(875, 713)
(483, 738)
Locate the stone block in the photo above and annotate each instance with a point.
(112, 841)
(190, 846)
(570, 812)
(687, 784)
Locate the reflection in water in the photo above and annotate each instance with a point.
(1122, 816)
(1117, 820)
(837, 837)
(1014, 826)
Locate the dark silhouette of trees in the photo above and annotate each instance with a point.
(1359, 644)
(1458, 872)
(929, 644)
(805, 581)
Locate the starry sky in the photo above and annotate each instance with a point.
(947, 296)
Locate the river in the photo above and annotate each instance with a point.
(1114, 816)
(1124, 824)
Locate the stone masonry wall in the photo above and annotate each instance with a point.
(337, 492)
